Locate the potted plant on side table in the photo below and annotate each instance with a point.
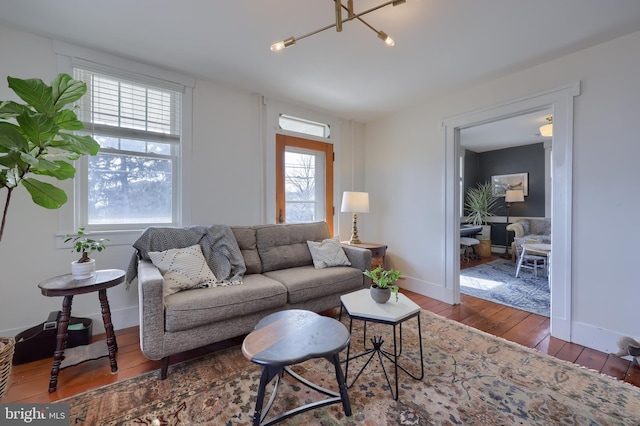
(85, 267)
(383, 283)
(479, 205)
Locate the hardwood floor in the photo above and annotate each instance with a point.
(29, 382)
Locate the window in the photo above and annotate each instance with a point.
(304, 199)
(304, 180)
(134, 179)
(300, 125)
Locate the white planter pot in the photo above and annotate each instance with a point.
(84, 270)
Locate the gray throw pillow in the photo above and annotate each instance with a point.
(328, 253)
(183, 269)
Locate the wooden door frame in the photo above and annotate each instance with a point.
(283, 141)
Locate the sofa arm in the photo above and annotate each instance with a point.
(359, 257)
(517, 228)
(151, 310)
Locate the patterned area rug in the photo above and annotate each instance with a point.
(495, 281)
(471, 378)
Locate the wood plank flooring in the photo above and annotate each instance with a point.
(29, 382)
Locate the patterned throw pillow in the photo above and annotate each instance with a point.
(328, 253)
(183, 269)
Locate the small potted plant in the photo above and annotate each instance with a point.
(382, 283)
(85, 267)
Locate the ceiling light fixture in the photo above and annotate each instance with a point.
(339, 21)
(547, 129)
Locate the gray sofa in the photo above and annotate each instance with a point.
(279, 275)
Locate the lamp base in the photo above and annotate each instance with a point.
(354, 231)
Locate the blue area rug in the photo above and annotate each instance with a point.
(495, 281)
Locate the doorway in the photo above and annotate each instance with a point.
(513, 150)
(560, 101)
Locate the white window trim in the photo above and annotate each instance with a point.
(68, 56)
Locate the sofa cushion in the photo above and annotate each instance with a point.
(246, 238)
(285, 246)
(189, 309)
(306, 282)
(328, 253)
(183, 269)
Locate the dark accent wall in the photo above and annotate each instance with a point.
(480, 167)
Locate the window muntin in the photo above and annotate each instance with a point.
(133, 180)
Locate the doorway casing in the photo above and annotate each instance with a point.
(560, 100)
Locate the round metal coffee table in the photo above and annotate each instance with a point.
(289, 337)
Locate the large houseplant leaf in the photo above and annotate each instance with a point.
(11, 139)
(66, 90)
(78, 144)
(38, 128)
(35, 93)
(44, 194)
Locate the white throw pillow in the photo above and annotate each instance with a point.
(328, 253)
(183, 269)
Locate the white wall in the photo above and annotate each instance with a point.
(407, 199)
(226, 169)
(408, 211)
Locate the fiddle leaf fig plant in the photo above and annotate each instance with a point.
(35, 139)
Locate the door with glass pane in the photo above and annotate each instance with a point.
(304, 181)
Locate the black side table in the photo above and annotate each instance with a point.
(67, 286)
(289, 337)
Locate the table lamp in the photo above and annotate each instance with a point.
(355, 202)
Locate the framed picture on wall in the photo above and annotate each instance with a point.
(501, 183)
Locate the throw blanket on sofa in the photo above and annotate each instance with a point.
(219, 247)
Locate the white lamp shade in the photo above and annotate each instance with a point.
(514, 196)
(355, 202)
(546, 130)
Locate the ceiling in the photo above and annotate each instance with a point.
(506, 133)
(441, 45)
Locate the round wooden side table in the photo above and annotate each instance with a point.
(290, 337)
(67, 286)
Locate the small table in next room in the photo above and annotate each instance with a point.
(360, 306)
(67, 286)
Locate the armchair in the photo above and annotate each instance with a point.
(532, 230)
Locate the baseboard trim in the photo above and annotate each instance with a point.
(121, 318)
(595, 337)
(435, 291)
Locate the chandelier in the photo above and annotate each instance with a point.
(351, 15)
